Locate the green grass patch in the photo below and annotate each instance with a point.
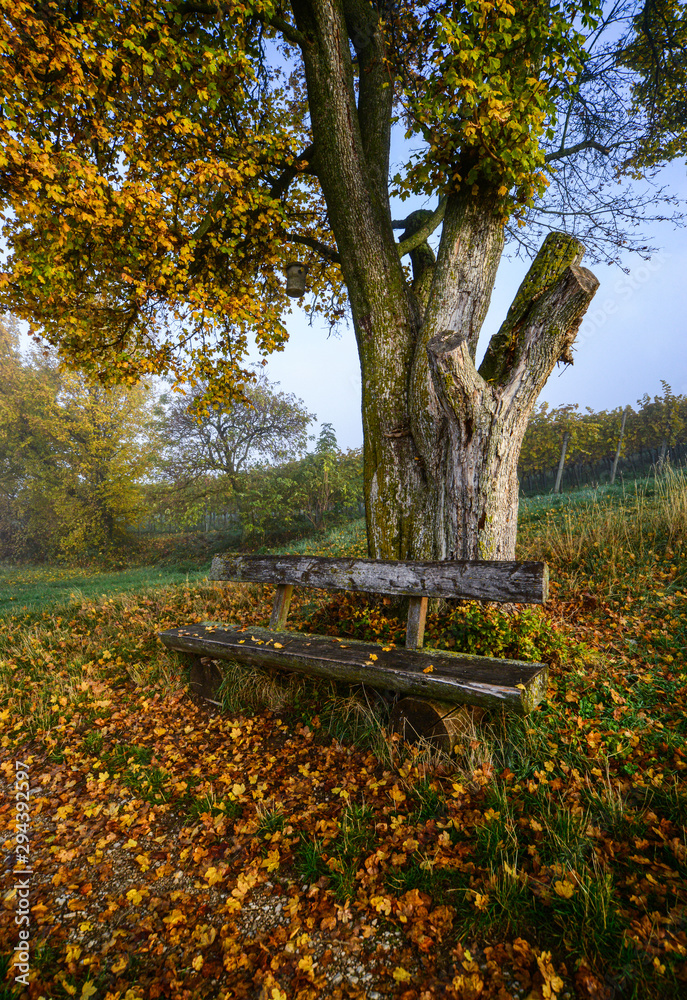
(25, 589)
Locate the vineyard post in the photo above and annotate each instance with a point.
(620, 444)
(559, 474)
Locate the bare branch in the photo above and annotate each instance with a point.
(578, 148)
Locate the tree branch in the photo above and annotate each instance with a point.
(456, 381)
(375, 93)
(321, 248)
(188, 7)
(560, 154)
(281, 184)
(291, 33)
(548, 333)
(423, 233)
(557, 253)
(468, 258)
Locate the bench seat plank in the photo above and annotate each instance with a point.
(514, 582)
(455, 677)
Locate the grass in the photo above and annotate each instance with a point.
(41, 588)
(556, 843)
(615, 539)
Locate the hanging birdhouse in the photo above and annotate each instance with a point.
(295, 279)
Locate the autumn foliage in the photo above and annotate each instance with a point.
(287, 848)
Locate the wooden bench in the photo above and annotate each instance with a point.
(426, 674)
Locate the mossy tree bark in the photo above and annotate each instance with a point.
(442, 439)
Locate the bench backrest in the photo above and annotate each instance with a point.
(517, 582)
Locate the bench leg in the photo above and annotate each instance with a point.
(441, 724)
(206, 677)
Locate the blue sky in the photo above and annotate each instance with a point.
(633, 336)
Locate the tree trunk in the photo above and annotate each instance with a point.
(441, 439)
(443, 484)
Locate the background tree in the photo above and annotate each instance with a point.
(267, 426)
(74, 459)
(164, 160)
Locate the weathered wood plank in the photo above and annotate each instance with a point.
(280, 608)
(513, 582)
(429, 673)
(417, 616)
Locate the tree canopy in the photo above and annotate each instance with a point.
(164, 160)
(158, 167)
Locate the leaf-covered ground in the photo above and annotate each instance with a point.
(286, 848)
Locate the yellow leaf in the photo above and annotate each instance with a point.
(429, 669)
(564, 889)
(278, 645)
(401, 975)
(382, 904)
(134, 896)
(197, 963)
(212, 876)
(119, 965)
(88, 990)
(272, 861)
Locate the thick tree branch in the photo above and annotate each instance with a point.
(548, 333)
(557, 253)
(359, 220)
(280, 186)
(454, 376)
(290, 33)
(419, 236)
(422, 256)
(469, 254)
(375, 93)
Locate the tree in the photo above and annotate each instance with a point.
(267, 426)
(327, 440)
(164, 161)
(74, 456)
(655, 50)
